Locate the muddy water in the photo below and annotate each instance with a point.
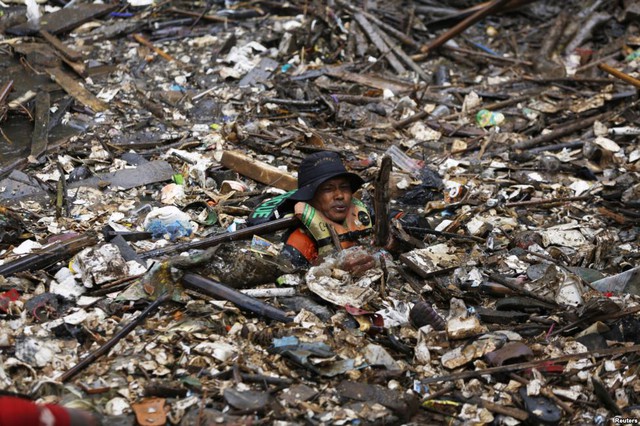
(17, 127)
(18, 131)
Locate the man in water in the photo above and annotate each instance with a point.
(330, 214)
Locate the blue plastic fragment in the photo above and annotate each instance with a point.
(285, 341)
(121, 14)
(174, 230)
(485, 48)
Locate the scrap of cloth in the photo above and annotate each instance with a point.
(17, 411)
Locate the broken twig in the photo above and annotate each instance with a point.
(619, 74)
(115, 339)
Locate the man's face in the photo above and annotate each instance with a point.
(333, 198)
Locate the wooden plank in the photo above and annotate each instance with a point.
(78, 67)
(67, 52)
(66, 19)
(75, 89)
(258, 171)
(381, 202)
(40, 135)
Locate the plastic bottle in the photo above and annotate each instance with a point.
(403, 161)
(486, 118)
(441, 78)
(441, 111)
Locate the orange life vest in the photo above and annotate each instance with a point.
(315, 240)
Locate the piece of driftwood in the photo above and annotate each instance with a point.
(381, 202)
(490, 8)
(552, 201)
(258, 171)
(270, 292)
(585, 31)
(49, 255)
(215, 289)
(557, 147)
(73, 88)
(518, 289)
(561, 131)
(458, 16)
(65, 19)
(516, 413)
(55, 42)
(552, 37)
(488, 56)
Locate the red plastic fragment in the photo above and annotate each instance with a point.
(7, 297)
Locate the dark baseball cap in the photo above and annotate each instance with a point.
(319, 167)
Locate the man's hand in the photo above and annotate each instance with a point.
(356, 261)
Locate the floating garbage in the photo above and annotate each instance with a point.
(168, 222)
(486, 118)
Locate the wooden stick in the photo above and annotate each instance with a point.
(143, 41)
(48, 256)
(451, 235)
(4, 91)
(335, 238)
(557, 147)
(516, 413)
(115, 339)
(489, 56)
(265, 228)
(550, 201)
(404, 38)
(410, 120)
(448, 35)
(502, 280)
(531, 364)
(206, 17)
(619, 74)
(561, 131)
